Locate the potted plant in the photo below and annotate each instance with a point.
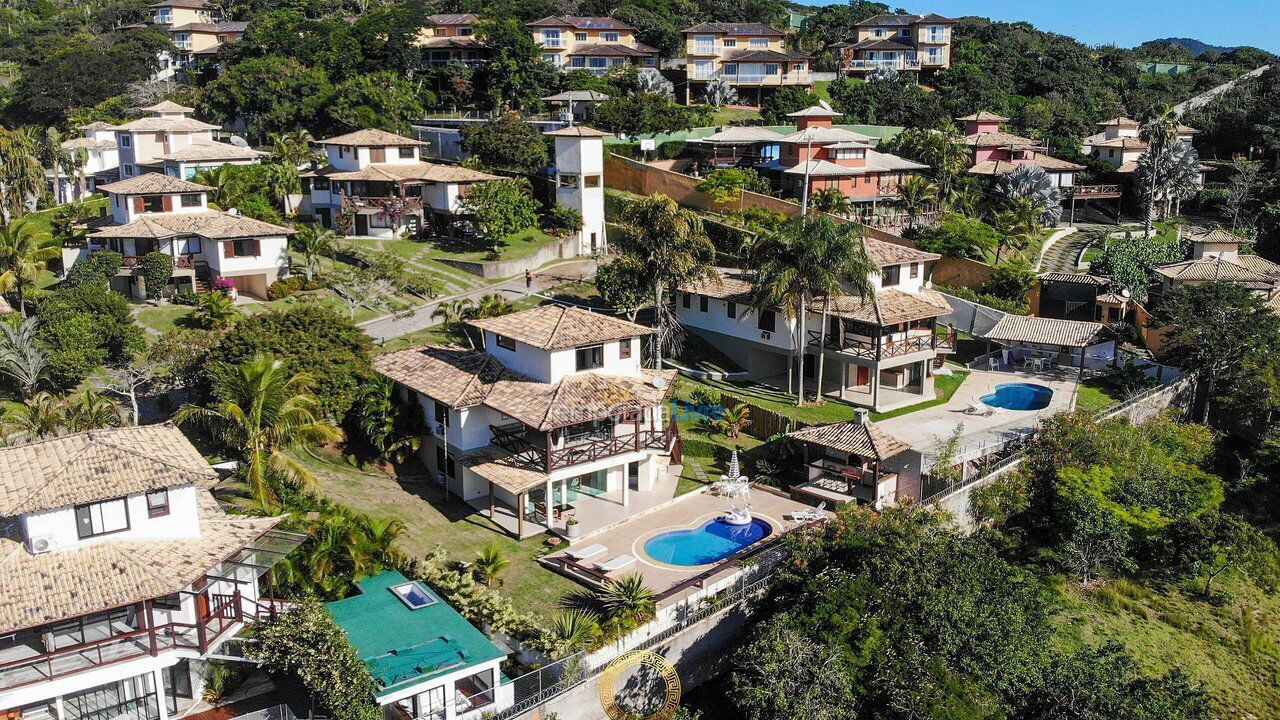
(571, 529)
(225, 285)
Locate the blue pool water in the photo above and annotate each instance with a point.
(712, 542)
(1019, 396)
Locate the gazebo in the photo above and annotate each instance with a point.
(1027, 339)
(849, 464)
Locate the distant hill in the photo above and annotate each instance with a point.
(1195, 47)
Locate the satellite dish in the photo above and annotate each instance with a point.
(660, 382)
(825, 105)
(1125, 293)
(238, 141)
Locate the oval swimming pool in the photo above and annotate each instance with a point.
(1019, 396)
(711, 542)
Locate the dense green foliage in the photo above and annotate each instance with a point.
(502, 208)
(1128, 261)
(506, 143)
(84, 328)
(157, 268)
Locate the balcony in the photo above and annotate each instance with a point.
(917, 340)
(1091, 191)
(895, 64)
(705, 49)
(162, 19)
(181, 262)
(391, 204)
(937, 39)
(551, 43)
(537, 449)
(182, 44)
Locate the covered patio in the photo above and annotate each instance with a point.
(1039, 343)
(846, 462)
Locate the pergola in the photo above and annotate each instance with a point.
(1066, 337)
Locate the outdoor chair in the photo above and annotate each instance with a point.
(809, 514)
(977, 407)
(618, 563)
(993, 363)
(589, 551)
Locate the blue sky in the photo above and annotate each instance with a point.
(1127, 22)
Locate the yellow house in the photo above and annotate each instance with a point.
(898, 42)
(202, 40)
(594, 44)
(749, 56)
(451, 38)
(175, 13)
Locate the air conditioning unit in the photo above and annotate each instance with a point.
(765, 334)
(43, 544)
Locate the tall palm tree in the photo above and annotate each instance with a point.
(668, 241)
(914, 196)
(380, 535)
(280, 181)
(261, 413)
(53, 156)
(1159, 131)
(21, 176)
(227, 185)
(313, 242)
(844, 269)
(24, 254)
(22, 358)
(452, 313)
(1014, 229)
(787, 262)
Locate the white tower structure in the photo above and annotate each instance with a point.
(580, 181)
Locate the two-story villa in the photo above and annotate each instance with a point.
(594, 44)
(750, 56)
(996, 152)
(898, 42)
(1119, 143)
(880, 352)
(832, 157)
(553, 418)
(197, 29)
(451, 38)
(97, 146)
(375, 184)
(1216, 257)
(172, 142)
(122, 575)
(160, 213)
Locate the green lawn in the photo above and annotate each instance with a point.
(167, 317)
(775, 400)
(1228, 645)
(820, 89)
(433, 517)
(41, 220)
(1095, 395)
(944, 386)
(730, 115)
(512, 247)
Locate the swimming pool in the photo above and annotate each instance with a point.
(1019, 396)
(711, 542)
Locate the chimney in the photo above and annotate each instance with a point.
(862, 415)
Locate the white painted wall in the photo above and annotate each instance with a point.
(717, 319)
(583, 157)
(345, 157)
(271, 258)
(181, 522)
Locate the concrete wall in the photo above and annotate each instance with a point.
(508, 268)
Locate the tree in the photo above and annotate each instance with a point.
(280, 180)
(1100, 683)
(453, 314)
(1173, 175)
(490, 562)
(646, 113)
(54, 157)
(382, 100)
(941, 149)
(515, 76)
(1128, 261)
(96, 269)
(623, 285)
(313, 242)
(502, 208)
(43, 415)
(719, 93)
(295, 148)
(157, 268)
(392, 429)
(492, 305)
(916, 194)
(781, 674)
(958, 236)
(727, 184)
(309, 339)
(129, 381)
(21, 177)
(734, 419)
(24, 255)
(574, 630)
(628, 602)
(788, 263)
(1159, 131)
(261, 413)
(786, 100)
(831, 200)
(506, 143)
(1240, 190)
(669, 243)
(1213, 543)
(1033, 184)
(22, 359)
(83, 328)
(1095, 538)
(270, 94)
(214, 309)
(845, 269)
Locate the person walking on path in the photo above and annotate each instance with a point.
(528, 282)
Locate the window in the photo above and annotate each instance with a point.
(567, 181)
(442, 414)
(550, 38)
(342, 151)
(703, 69)
(732, 309)
(766, 322)
(580, 36)
(158, 503)
(624, 348)
(103, 518)
(730, 42)
(610, 37)
(125, 140)
(771, 69)
(504, 342)
(552, 58)
(798, 67)
(247, 247)
(444, 462)
(152, 203)
(589, 357)
(591, 181)
(684, 300)
(731, 69)
(915, 270)
(414, 595)
(759, 43)
(890, 275)
(168, 602)
(702, 303)
(597, 62)
(191, 200)
(320, 183)
(407, 153)
(128, 169)
(577, 61)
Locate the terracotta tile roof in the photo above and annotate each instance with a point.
(166, 124)
(406, 172)
(1113, 298)
(741, 28)
(767, 56)
(1077, 278)
(97, 125)
(88, 144)
(999, 139)
(887, 307)
(821, 135)
(97, 465)
(613, 50)
(211, 224)
(464, 41)
(578, 131)
(1120, 121)
(151, 183)
(465, 378)
(732, 285)
(1218, 235)
(454, 19)
(886, 253)
(557, 327)
(1003, 167)
(900, 20)
(211, 150)
(1217, 268)
(983, 116)
(167, 106)
(865, 439)
(39, 589)
(1260, 265)
(371, 137)
(1125, 143)
(580, 23)
(504, 470)
(1046, 331)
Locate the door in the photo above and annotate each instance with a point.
(177, 683)
(633, 475)
(864, 375)
(326, 220)
(362, 224)
(915, 374)
(377, 155)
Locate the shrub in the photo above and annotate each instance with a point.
(284, 287)
(1011, 281)
(157, 268)
(1009, 306)
(186, 297)
(84, 328)
(562, 221)
(97, 269)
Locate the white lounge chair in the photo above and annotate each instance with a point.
(977, 407)
(585, 552)
(809, 514)
(617, 563)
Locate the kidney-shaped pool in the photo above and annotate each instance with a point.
(1019, 396)
(708, 543)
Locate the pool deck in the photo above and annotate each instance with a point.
(686, 512)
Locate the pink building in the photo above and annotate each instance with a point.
(996, 152)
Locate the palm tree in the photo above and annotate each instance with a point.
(42, 416)
(1014, 229)
(382, 422)
(734, 419)
(226, 184)
(719, 93)
(914, 196)
(279, 181)
(1174, 174)
(380, 536)
(843, 269)
(21, 176)
(489, 562)
(492, 305)
(24, 255)
(90, 410)
(669, 243)
(788, 260)
(452, 313)
(1159, 131)
(53, 156)
(831, 200)
(294, 148)
(214, 309)
(574, 630)
(261, 413)
(627, 601)
(22, 358)
(313, 242)
(1032, 183)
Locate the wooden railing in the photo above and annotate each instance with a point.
(515, 439)
(888, 348)
(393, 203)
(947, 342)
(1090, 190)
(183, 262)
